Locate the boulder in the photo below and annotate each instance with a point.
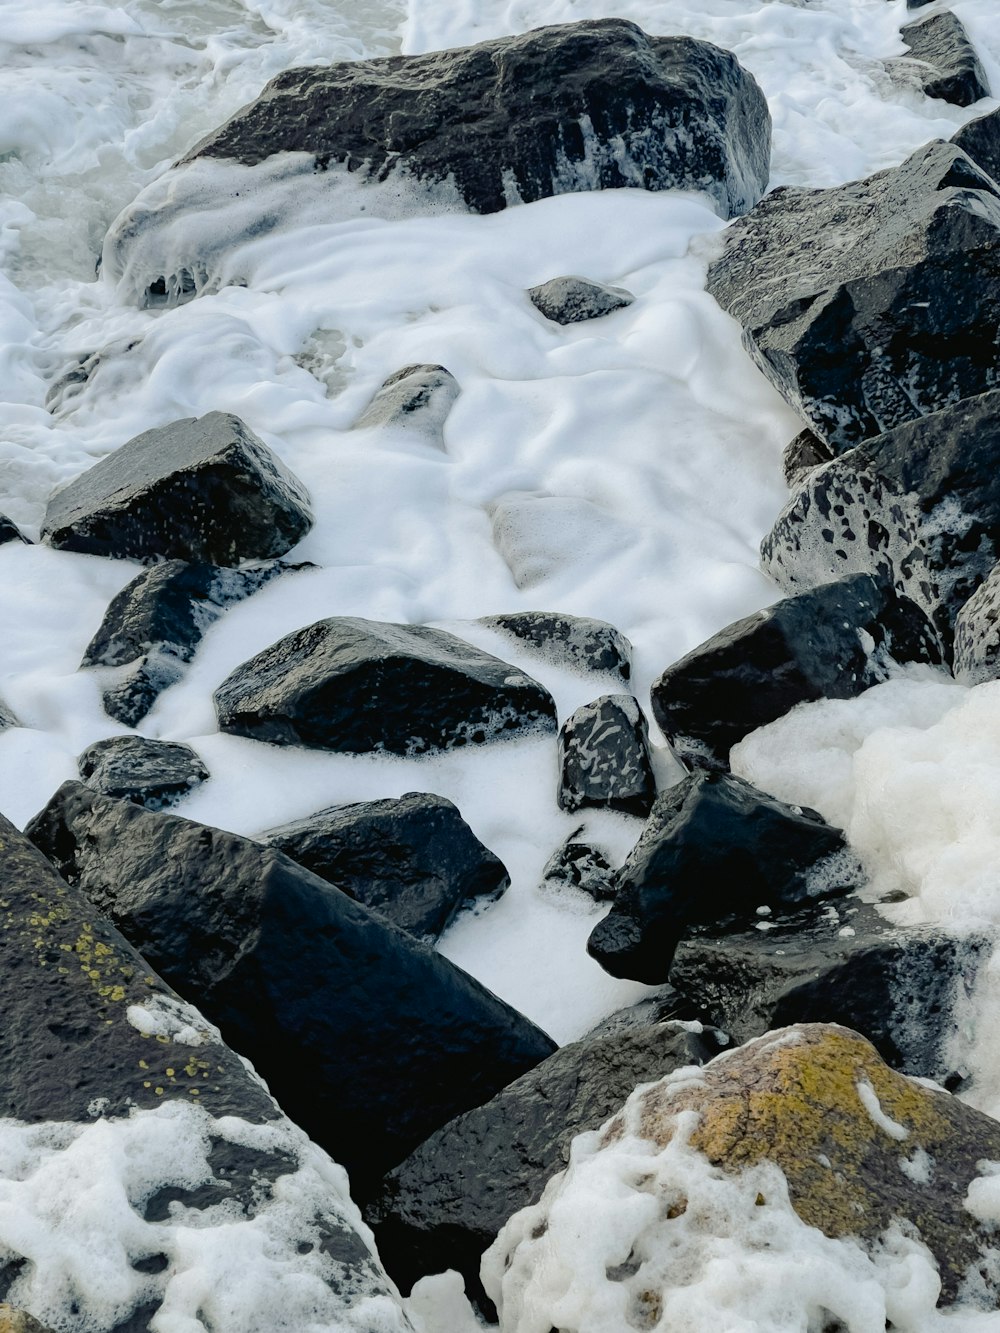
(416, 397)
(919, 507)
(578, 865)
(951, 68)
(831, 642)
(571, 300)
(714, 850)
(979, 139)
(151, 773)
(372, 1040)
(112, 1066)
(977, 634)
(10, 532)
(801, 455)
(358, 686)
(604, 758)
(415, 859)
(444, 1205)
(201, 489)
(154, 625)
(576, 642)
(592, 105)
(846, 296)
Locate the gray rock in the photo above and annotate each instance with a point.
(578, 865)
(570, 299)
(604, 758)
(414, 859)
(10, 532)
(358, 686)
(977, 634)
(201, 489)
(801, 455)
(7, 718)
(952, 70)
(576, 642)
(846, 296)
(154, 774)
(980, 140)
(416, 397)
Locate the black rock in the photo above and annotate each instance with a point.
(714, 850)
(204, 489)
(358, 686)
(10, 532)
(7, 718)
(415, 859)
(847, 296)
(977, 634)
(951, 68)
(832, 642)
(444, 1205)
(576, 642)
(980, 140)
(580, 106)
(578, 865)
(156, 622)
(918, 506)
(570, 299)
(372, 1040)
(89, 1031)
(604, 758)
(801, 455)
(154, 774)
(418, 397)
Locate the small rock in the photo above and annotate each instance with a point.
(953, 70)
(570, 300)
(154, 774)
(7, 718)
(577, 642)
(10, 532)
(604, 758)
(417, 397)
(801, 455)
(577, 865)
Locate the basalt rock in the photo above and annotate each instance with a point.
(801, 455)
(980, 140)
(578, 865)
(576, 642)
(604, 758)
(951, 69)
(416, 397)
(571, 300)
(154, 774)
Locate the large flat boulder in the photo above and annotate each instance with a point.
(846, 296)
(201, 489)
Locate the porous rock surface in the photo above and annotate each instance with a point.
(951, 69)
(152, 773)
(571, 299)
(604, 758)
(977, 634)
(18, 1321)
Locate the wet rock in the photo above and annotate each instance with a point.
(918, 506)
(154, 625)
(604, 758)
(577, 106)
(10, 532)
(980, 140)
(443, 1206)
(714, 850)
(846, 296)
(417, 397)
(373, 1040)
(576, 642)
(832, 642)
(358, 686)
(570, 299)
(18, 1321)
(200, 489)
(977, 634)
(578, 865)
(952, 69)
(154, 774)
(415, 859)
(801, 455)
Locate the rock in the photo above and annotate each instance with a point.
(416, 397)
(576, 642)
(801, 455)
(443, 1206)
(577, 106)
(201, 489)
(415, 859)
(918, 506)
(373, 1040)
(151, 773)
(714, 850)
(541, 536)
(10, 532)
(18, 1321)
(95, 1046)
(979, 139)
(604, 758)
(846, 296)
(7, 718)
(577, 865)
(358, 686)
(570, 299)
(154, 625)
(977, 634)
(953, 70)
(832, 642)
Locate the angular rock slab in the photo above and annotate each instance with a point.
(919, 507)
(832, 642)
(953, 70)
(977, 634)
(90, 1033)
(801, 455)
(979, 139)
(576, 642)
(414, 859)
(416, 397)
(200, 489)
(358, 686)
(604, 758)
(714, 849)
(372, 1040)
(571, 299)
(154, 774)
(444, 1205)
(846, 296)
(592, 105)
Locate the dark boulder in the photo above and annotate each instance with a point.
(714, 850)
(832, 642)
(10, 532)
(592, 105)
(801, 455)
(604, 758)
(372, 1040)
(951, 69)
(578, 865)
(358, 686)
(571, 300)
(919, 507)
(151, 773)
(417, 397)
(444, 1205)
(980, 140)
(204, 489)
(415, 859)
(576, 642)
(847, 296)
(977, 634)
